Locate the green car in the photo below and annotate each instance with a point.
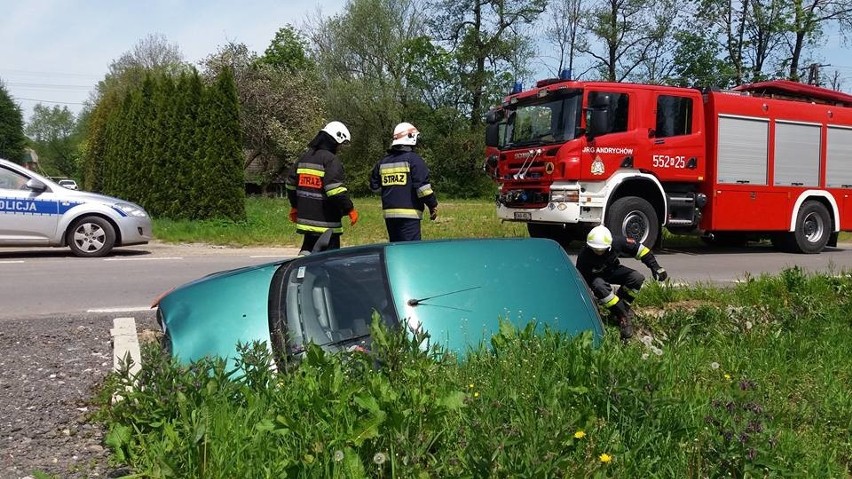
(455, 290)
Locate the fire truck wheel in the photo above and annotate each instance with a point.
(634, 217)
(813, 228)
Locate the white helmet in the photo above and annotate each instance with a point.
(599, 238)
(405, 134)
(338, 131)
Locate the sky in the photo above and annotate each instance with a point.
(55, 51)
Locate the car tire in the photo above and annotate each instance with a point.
(91, 237)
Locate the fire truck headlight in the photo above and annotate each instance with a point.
(565, 196)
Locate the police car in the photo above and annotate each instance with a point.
(35, 211)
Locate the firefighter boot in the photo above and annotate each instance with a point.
(624, 315)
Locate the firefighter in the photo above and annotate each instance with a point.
(598, 263)
(316, 191)
(402, 177)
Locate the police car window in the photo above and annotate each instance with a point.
(674, 116)
(10, 180)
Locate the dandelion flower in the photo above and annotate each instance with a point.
(727, 376)
(657, 351)
(647, 340)
(748, 325)
(645, 356)
(714, 365)
(605, 458)
(338, 455)
(470, 385)
(580, 434)
(379, 458)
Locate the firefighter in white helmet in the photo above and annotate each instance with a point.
(316, 188)
(402, 178)
(598, 263)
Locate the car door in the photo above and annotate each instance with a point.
(26, 217)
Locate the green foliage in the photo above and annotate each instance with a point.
(12, 139)
(171, 145)
(731, 388)
(56, 139)
(288, 51)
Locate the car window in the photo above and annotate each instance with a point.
(12, 180)
(329, 300)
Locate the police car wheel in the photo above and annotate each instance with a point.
(90, 237)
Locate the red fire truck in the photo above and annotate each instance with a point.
(769, 160)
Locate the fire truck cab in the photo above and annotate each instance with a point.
(768, 160)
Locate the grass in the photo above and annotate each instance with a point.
(267, 224)
(749, 381)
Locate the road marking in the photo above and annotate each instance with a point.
(120, 309)
(12, 261)
(143, 259)
(126, 350)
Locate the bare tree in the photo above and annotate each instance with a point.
(563, 30)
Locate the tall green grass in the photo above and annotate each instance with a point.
(749, 381)
(267, 224)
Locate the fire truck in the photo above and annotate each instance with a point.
(769, 160)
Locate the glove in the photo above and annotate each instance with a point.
(659, 274)
(353, 217)
(293, 215)
(433, 213)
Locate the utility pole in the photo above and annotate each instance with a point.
(813, 73)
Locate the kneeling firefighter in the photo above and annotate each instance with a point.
(598, 263)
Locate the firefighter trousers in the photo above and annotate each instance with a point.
(629, 279)
(403, 229)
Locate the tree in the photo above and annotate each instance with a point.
(288, 51)
(12, 138)
(807, 20)
(280, 109)
(489, 44)
(54, 132)
(632, 35)
(563, 29)
(152, 54)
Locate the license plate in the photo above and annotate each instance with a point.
(523, 215)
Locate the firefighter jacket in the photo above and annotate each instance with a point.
(592, 265)
(403, 179)
(315, 187)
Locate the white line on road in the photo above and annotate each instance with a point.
(12, 261)
(120, 309)
(143, 259)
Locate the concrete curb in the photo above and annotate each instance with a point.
(125, 345)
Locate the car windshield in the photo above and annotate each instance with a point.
(551, 119)
(330, 300)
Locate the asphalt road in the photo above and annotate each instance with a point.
(46, 282)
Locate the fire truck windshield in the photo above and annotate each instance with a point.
(551, 119)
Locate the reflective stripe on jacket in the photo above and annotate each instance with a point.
(315, 187)
(402, 177)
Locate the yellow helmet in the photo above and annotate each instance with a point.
(599, 238)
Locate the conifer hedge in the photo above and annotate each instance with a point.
(172, 145)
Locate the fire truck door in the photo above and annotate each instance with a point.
(677, 139)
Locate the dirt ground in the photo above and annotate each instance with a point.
(49, 368)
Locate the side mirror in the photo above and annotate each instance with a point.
(492, 135)
(322, 242)
(36, 185)
(598, 122)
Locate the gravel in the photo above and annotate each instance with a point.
(50, 369)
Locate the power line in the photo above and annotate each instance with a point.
(50, 101)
